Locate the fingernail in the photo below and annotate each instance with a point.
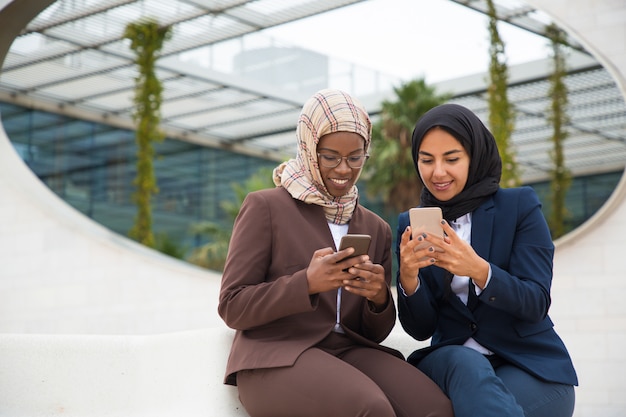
(431, 249)
(443, 222)
(424, 234)
(419, 238)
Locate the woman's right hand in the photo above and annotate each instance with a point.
(328, 269)
(412, 259)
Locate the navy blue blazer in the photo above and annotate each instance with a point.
(511, 318)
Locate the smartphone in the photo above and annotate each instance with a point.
(360, 243)
(425, 219)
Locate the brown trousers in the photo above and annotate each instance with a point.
(340, 379)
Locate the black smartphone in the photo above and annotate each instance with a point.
(360, 243)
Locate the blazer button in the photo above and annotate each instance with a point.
(492, 298)
(473, 326)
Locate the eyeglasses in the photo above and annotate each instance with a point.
(333, 161)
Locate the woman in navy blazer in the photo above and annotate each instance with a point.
(482, 292)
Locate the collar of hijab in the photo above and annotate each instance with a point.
(328, 111)
(485, 166)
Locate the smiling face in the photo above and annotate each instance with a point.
(443, 164)
(340, 179)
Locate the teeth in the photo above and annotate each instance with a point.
(340, 181)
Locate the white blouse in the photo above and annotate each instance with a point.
(460, 284)
(338, 231)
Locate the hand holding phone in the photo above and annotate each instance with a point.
(360, 243)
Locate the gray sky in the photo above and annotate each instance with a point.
(437, 39)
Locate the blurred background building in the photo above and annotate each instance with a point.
(232, 95)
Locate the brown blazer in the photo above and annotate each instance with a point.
(264, 292)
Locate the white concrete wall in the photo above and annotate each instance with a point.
(589, 288)
(62, 273)
(66, 283)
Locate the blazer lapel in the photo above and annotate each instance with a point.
(314, 216)
(482, 228)
(440, 278)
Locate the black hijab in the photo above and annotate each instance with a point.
(485, 165)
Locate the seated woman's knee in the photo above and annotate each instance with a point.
(457, 358)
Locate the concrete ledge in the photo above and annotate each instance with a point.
(174, 374)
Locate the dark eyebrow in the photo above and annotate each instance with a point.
(448, 153)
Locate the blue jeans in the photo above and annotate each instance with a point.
(476, 389)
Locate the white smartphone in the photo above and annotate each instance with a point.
(360, 243)
(425, 219)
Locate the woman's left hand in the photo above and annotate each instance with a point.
(459, 258)
(368, 282)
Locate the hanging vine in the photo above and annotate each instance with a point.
(147, 39)
(501, 114)
(557, 115)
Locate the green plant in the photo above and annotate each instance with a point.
(501, 114)
(212, 255)
(165, 244)
(146, 38)
(560, 175)
(390, 173)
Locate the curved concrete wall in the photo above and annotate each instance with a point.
(590, 263)
(62, 274)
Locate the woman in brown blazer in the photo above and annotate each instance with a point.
(309, 320)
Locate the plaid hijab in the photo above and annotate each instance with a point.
(485, 164)
(328, 111)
